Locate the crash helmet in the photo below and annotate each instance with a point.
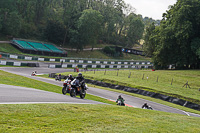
(80, 75)
(119, 96)
(70, 76)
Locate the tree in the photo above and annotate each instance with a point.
(12, 24)
(31, 19)
(135, 30)
(150, 39)
(55, 32)
(10, 20)
(176, 41)
(89, 26)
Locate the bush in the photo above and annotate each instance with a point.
(110, 51)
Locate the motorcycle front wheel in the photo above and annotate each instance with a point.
(73, 93)
(82, 94)
(64, 91)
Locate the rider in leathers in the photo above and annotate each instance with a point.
(81, 80)
(120, 99)
(70, 77)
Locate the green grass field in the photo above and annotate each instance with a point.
(92, 118)
(8, 48)
(163, 85)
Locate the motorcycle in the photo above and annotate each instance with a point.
(120, 103)
(66, 87)
(33, 73)
(149, 107)
(77, 89)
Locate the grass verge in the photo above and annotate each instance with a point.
(91, 118)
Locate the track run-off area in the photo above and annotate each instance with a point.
(22, 95)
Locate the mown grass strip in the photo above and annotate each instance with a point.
(91, 118)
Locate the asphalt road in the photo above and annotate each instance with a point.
(130, 100)
(22, 95)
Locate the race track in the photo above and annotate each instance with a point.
(22, 95)
(59, 98)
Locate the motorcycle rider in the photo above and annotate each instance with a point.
(34, 73)
(145, 106)
(120, 98)
(70, 77)
(81, 80)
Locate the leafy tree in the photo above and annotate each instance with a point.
(176, 39)
(195, 46)
(89, 25)
(135, 30)
(12, 25)
(10, 20)
(110, 51)
(55, 32)
(33, 19)
(151, 39)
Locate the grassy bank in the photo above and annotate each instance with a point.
(91, 118)
(100, 55)
(158, 81)
(8, 48)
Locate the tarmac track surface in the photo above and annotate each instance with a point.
(22, 95)
(130, 100)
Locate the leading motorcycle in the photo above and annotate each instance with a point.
(78, 89)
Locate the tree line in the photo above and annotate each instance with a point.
(177, 39)
(75, 23)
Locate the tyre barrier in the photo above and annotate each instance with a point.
(33, 65)
(53, 75)
(146, 93)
